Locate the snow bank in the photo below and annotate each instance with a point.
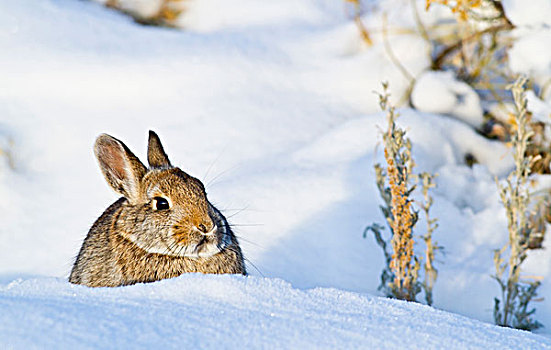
(208, 312)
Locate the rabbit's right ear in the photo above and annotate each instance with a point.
(156, 155)
(121, 168)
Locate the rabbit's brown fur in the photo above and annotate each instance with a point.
(136, 240)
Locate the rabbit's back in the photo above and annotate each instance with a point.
(95, 264)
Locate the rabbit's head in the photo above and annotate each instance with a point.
(166, 210)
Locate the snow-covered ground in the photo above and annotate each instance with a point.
(272, 107)
(198, 312)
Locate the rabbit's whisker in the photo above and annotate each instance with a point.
(231, 248)
(212, 163)
(253, 265)
(208, 184)
(244, 225)
(241, 238)
(237, 211)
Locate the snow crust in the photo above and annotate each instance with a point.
(232, 312)
(272, 108)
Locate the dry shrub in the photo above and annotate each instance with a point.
(516, 292)
(475, 47)
(400, 277)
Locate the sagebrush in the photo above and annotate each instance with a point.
(396, 182)
(512, 310)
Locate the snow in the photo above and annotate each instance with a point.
(540, 110)
(536, 14)
(272, 108)
(216, 15)
(197, 311)
(530, 54)
(441, 92)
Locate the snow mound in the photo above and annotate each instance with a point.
(530, 54)
(232, 312)
(441, 92)
(535, 13)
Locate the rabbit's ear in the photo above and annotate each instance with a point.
(156, 155)
(121, 168)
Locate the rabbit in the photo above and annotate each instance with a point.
(162, 227)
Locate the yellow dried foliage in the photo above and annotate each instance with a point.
(169, 11)
(168, 14)
(460, 7)
(400, 277)
(112, 3)
(364, 33)
(402, 265)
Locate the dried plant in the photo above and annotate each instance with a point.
(384, 191)
(166, 15)
(6, 151)
(400, 276)
(431, 246)
(357, 15)
(475, 47)
(477, 51)
(516, 293)
(460, 7)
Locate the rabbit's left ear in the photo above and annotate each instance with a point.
(121, 168)
(156, 155)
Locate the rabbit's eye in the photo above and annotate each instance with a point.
(160, 203)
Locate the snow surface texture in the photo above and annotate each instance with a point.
(530, 53)
(198, 312)
(275, 113)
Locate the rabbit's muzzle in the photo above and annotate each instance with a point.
(200, 240)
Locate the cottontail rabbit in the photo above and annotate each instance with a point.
(163, 225)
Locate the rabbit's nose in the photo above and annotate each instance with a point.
(207, 231)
